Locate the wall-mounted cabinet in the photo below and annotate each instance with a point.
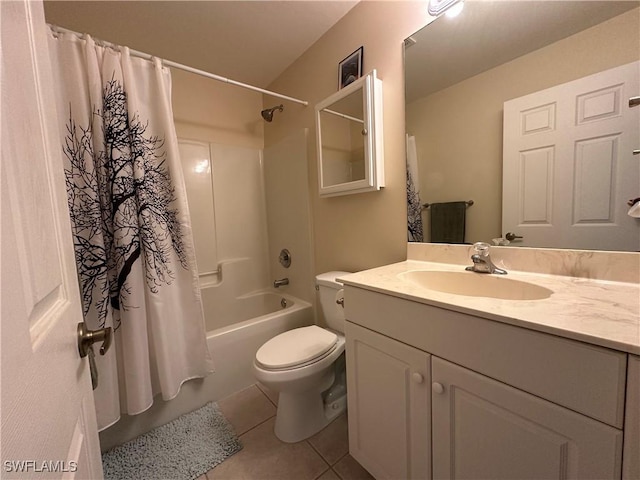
(349, 139)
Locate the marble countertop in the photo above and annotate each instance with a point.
(599, 312)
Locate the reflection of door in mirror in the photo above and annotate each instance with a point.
(342, 144)
(568, 166)
(460, 72)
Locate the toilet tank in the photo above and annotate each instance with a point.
(328, 289)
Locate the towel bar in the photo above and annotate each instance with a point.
(427, 205)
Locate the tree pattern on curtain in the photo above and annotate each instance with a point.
(414, 211)
(120, 200)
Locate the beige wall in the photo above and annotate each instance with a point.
(355, 232)
(211, 111)
(459, 129)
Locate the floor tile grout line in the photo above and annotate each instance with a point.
(318, 452)
(268, 398)
(337, 474)
(240, 438)
(256, 426)
(338, 461)
(323, 472)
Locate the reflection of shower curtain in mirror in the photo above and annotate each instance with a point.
(414, 206)
(130, 223)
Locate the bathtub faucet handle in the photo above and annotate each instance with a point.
(280, 283)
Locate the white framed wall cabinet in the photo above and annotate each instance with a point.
(350, 139)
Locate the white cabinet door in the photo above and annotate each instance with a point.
(388, 389)
(631, 458)
(568, 167)
(486, 429)
(48, 417)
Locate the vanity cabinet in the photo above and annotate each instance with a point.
(631, 463)
(486, 429)
(489, 400)
(389, 396)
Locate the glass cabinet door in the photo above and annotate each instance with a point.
(349, 134)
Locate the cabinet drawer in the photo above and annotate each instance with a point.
(583, 377)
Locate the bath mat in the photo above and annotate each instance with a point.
(183, 449)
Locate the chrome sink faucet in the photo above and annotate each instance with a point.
(482, 261)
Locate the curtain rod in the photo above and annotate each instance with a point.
(169, 63)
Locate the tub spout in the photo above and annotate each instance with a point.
(281, 282)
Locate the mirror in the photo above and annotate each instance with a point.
(476, 82)
(349, 139)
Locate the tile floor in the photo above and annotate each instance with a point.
(325, 456)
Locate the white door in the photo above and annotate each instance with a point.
(388, 387)
(568, 167)
(486, 429)
(48, 418)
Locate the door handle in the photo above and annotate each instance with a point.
(511, 236)
(86, 338)
(634, 101)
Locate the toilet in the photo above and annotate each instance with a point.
(306, 367)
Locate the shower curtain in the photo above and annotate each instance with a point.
(133, 244)
(414, 205)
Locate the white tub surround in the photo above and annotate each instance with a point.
(495, 388)
(600, 312)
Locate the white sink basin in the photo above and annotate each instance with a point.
(471, 284)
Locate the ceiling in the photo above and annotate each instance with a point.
(248, 41)
(489, 33)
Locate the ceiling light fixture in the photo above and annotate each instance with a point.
(455, 10)
(438, 7)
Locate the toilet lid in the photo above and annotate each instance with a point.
(296, 346)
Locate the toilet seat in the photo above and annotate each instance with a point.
(296, 348)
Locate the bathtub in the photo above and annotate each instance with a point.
(254, 319)
(259, 317)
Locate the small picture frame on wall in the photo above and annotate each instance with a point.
(350, 69)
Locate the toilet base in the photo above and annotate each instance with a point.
(300, 416)
(335, 408)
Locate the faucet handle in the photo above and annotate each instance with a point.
(481, 248)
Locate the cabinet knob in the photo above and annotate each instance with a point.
(417, 377)
(437, 387)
